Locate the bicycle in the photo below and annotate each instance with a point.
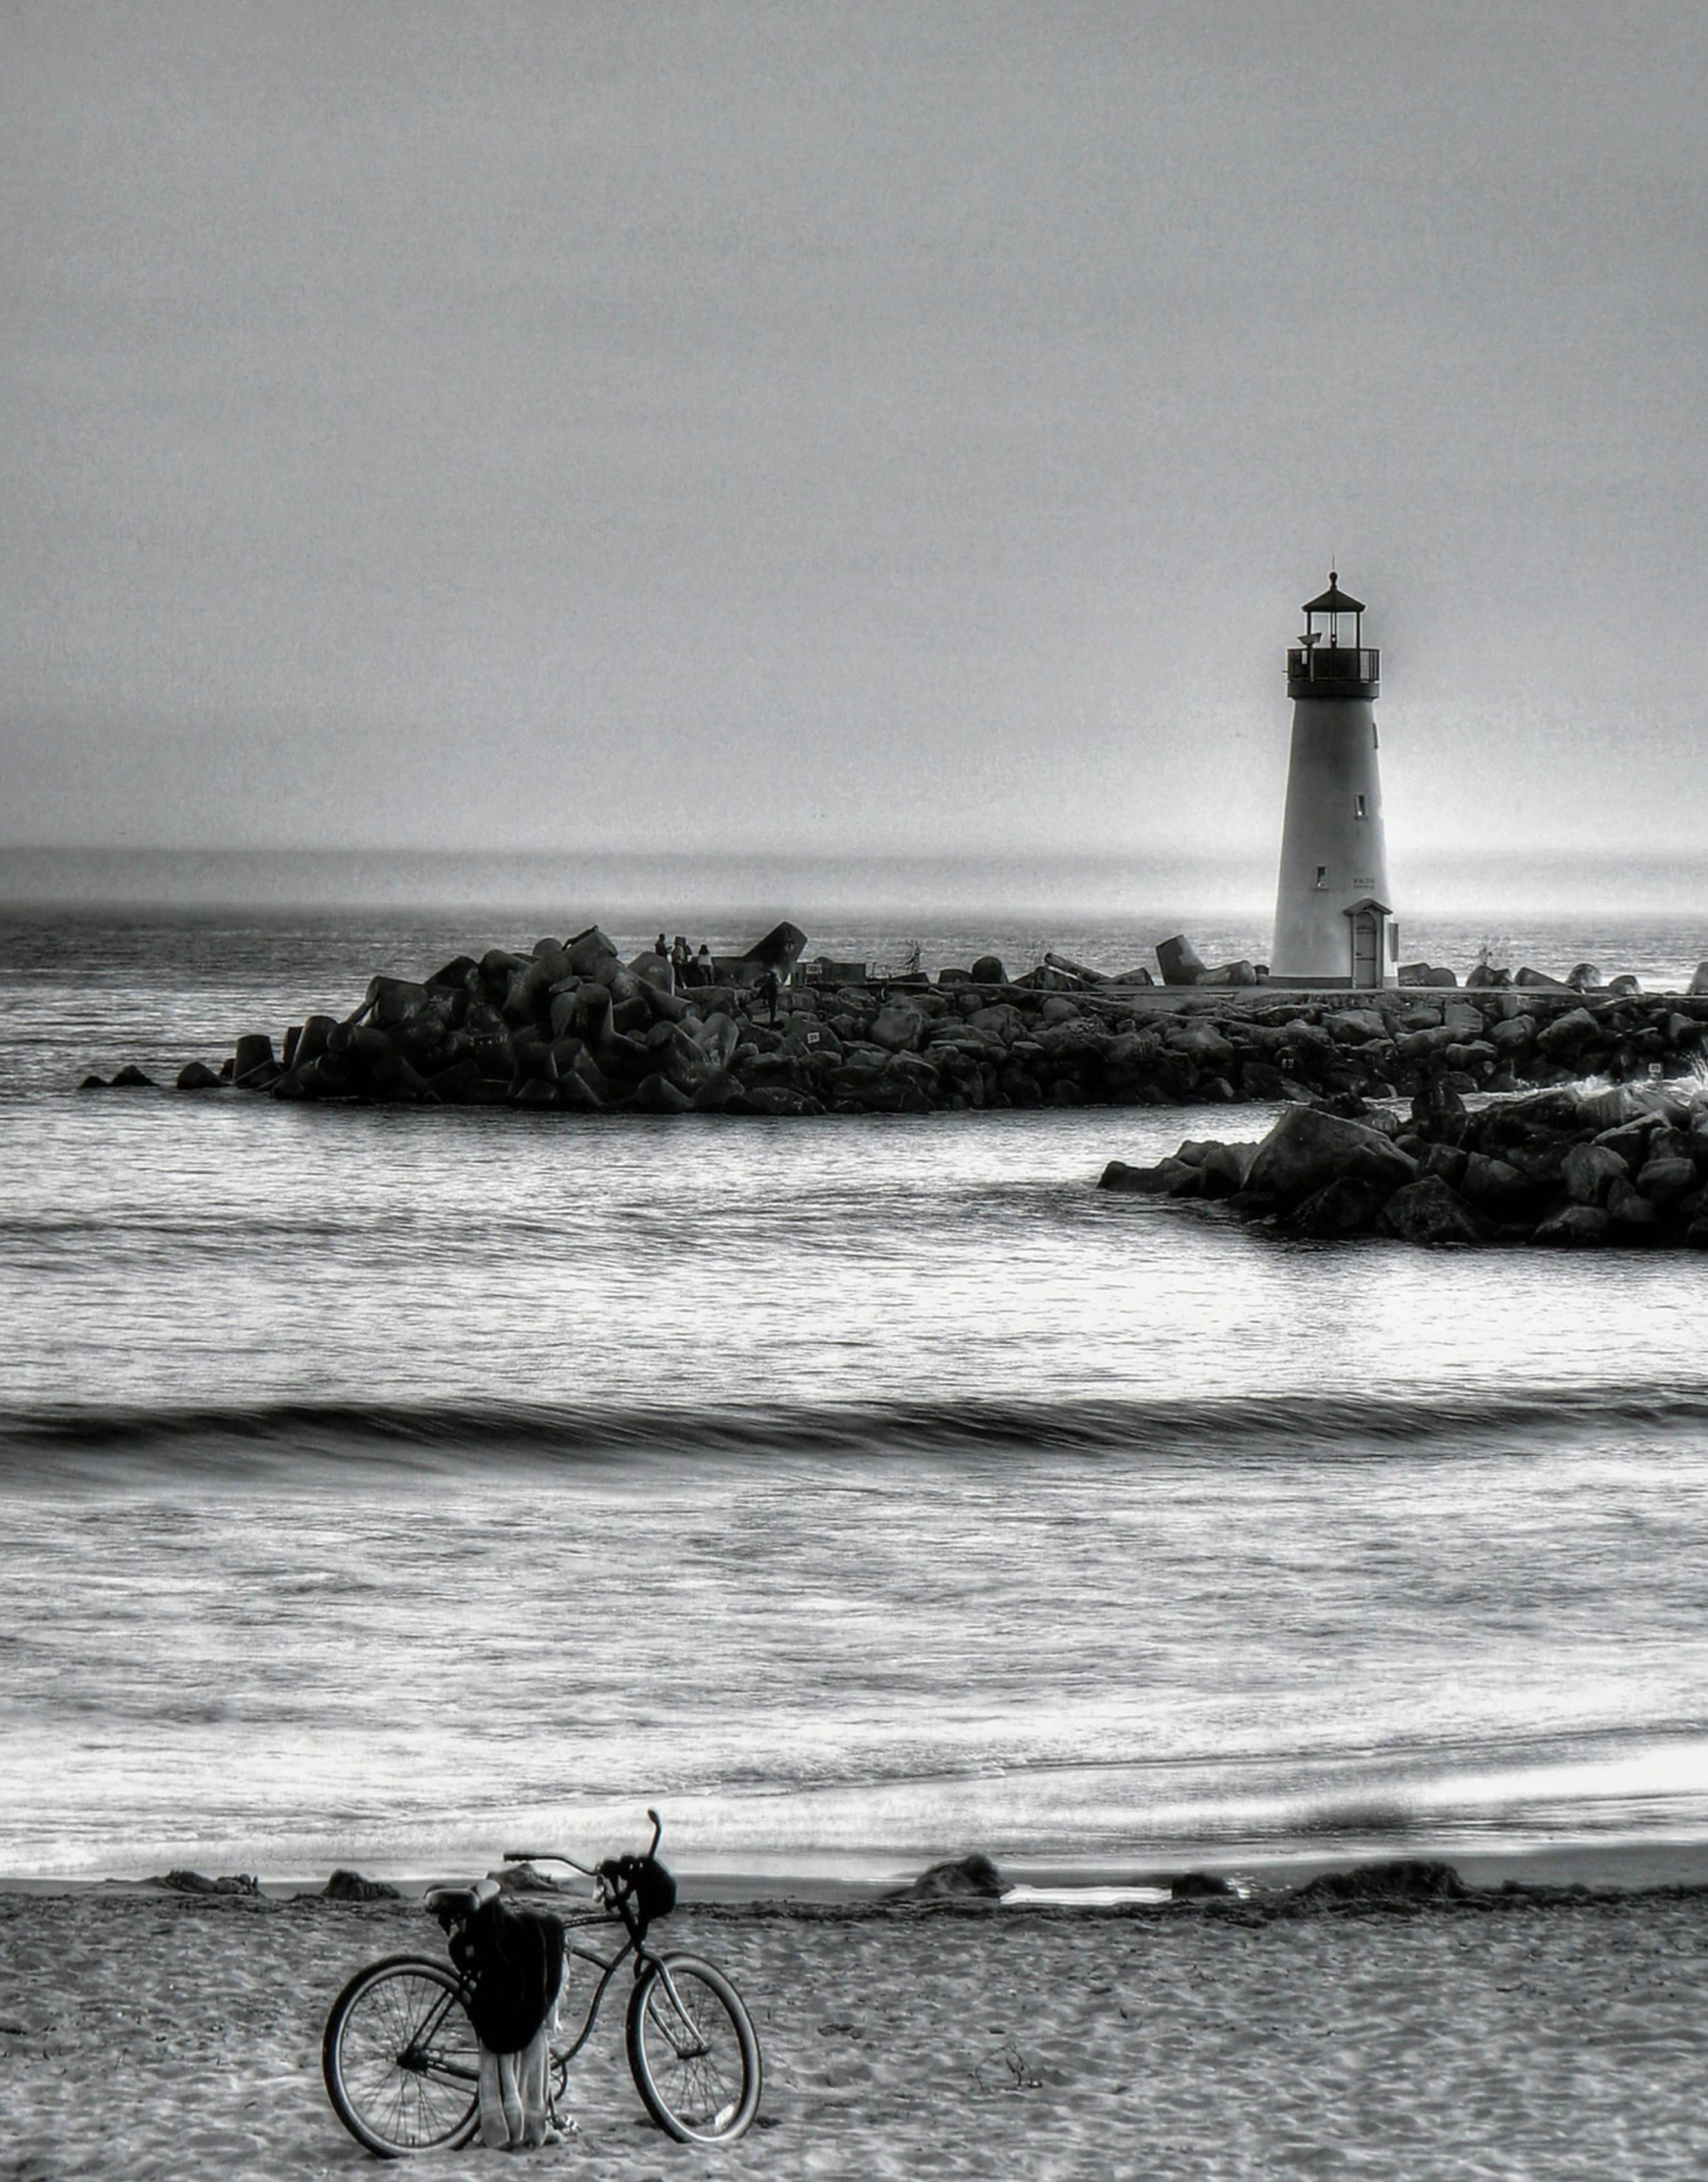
(401, 2063)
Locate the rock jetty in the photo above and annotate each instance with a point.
(1575, 1169)
(571, 1027)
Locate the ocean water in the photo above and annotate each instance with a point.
(380, 1488)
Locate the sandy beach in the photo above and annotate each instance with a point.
(144, 2035)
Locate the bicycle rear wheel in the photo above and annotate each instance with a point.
(399, 2058)
(693, 2051)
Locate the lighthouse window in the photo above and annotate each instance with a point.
(1322, 875)
(1360, 809)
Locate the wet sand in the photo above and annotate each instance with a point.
(144, 2034)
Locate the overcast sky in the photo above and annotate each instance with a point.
(889, 428)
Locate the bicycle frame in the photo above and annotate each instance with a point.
(615, 1909)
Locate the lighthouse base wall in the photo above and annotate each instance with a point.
(1333, 927)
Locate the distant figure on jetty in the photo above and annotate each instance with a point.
(770, 991)
(703, 971)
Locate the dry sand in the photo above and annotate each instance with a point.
(149, 2035)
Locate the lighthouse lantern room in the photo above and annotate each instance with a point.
(1333, 924)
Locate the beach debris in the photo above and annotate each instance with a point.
(198, 1882)
(1006, 2068)
(967, 1878)
(351, 1887)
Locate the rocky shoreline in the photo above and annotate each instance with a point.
(571, 1027)
(1628, 1166)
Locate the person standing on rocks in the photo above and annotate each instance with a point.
(770, 991)
(703, 971)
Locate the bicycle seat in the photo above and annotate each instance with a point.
(452, 1905)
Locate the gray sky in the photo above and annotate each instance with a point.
(880, 427)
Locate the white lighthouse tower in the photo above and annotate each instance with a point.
(1333, 925)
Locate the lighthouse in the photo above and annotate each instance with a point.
(1333, 924)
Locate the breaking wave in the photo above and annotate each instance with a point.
(259, 1438)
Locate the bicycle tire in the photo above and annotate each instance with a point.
(394, 2102)
(693, 2051)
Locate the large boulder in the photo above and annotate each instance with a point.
(988, 970)
(665, 1003)
(1425, 973)
(1226, 1168)
(394, 1000)
(253, 1051)
(718, 1038)
(1570, 1033)
(1578, 1227)
(655, 970)
(1630, 1211)
(588, 950)
(1698, 988)
(779, 951)
(1429, 1211)
(197, 1075)
(1307, 1150)
(677, 1058)
(898, 1027)
(1666, 1178)
(1495, 1186)
(1355, 1025)
(1202, 1044)
(1346, 1207)
(1179, 960)
(1229, 973)
(1590, 1171)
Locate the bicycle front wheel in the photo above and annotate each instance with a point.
(693, 2051)
(400, 2057)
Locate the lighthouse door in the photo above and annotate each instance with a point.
(1366, 948)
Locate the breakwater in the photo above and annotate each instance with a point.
(1627, 1165)
(571, 1027)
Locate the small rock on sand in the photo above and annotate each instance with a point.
(967, 1878)
(351, 1887)
(1398, 1885)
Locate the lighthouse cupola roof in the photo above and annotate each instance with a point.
(1334, 601)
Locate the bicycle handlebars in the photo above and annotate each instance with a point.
(556, 1856)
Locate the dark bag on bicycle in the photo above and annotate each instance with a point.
(514, 1959)
(650, 1886)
